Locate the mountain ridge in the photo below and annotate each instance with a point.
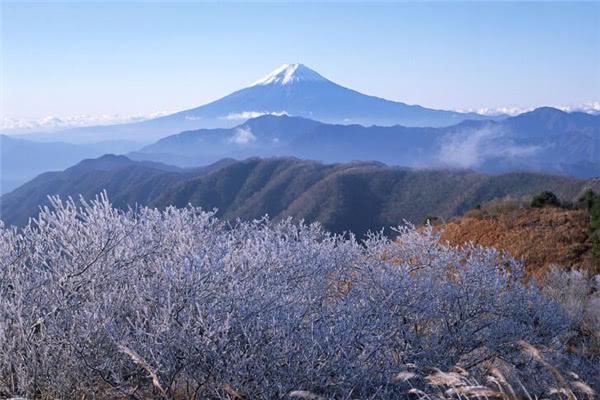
(355, 197)
(22, 159)
(544, 140)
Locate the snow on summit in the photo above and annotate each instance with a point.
(289, 73)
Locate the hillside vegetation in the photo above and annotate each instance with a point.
(355, 197)
(96, 302)
(541, 237)
(542, 231)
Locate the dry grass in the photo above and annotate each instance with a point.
(541, 237)
(460, 385)
(501, 382)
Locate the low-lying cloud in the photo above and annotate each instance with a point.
(242, 116)
(242, 136)
(472, 148)
(73, 121)
(592, 107)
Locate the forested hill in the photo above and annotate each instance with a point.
(355, 197)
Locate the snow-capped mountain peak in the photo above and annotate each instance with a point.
(289, 73)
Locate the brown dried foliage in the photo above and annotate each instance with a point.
(541, 237)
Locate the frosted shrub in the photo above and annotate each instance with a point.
(177, 304)
(579, 293)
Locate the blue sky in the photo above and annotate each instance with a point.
(140, 58)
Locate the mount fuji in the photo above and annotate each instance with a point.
(291, 89)
(297, 90)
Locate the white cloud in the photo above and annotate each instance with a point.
(470, 148)
(492, 111)
(73, 121)
(502, 110)
(244, 115)
(592, 107)
(242, 136)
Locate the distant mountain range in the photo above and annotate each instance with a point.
(544, 140)
(22, 160)
(353, 197)
(294, 111)
(292, 89)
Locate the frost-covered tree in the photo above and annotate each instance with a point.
(177, 304)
